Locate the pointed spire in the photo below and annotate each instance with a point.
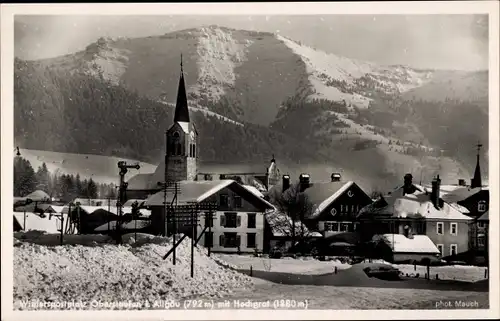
(476, 180)
(181, 107)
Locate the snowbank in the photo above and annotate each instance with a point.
(117, 273)
(48, 239)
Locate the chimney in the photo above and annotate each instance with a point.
(408, 184)
(336, 177)
(461, 182)
(304, 181)
(436, 185)
(286, 182)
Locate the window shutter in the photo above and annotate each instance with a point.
(221, 240)
(238, 221)
(223, 220)
(238, 240)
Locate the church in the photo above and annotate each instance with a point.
(237, 221)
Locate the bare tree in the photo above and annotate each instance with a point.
(292, 208)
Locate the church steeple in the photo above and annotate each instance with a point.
(181, 106)
(476, 180)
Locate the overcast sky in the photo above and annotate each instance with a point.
(425, 41)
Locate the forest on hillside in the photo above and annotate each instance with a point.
(58, 111)
(453, 126)
(61, 186)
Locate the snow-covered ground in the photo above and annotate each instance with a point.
(112, 273)
(343, 297)
(285, 265)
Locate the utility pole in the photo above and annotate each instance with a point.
(62, 228)
(123, 166)
(210, 222)
(193, 227)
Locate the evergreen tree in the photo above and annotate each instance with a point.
(24, 177)
(43, 178)
(91, 189)
(78, 186)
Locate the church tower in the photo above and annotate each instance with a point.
(273, 174)
(182, 140)
(476, 180)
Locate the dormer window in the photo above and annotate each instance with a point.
(481, 206)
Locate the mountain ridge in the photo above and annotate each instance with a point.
(249, 77)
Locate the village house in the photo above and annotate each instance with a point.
(235, 224)
(412, 210)
(474, 197)
(472, 200)
(334, 204)
(400, 248)
(326, 217)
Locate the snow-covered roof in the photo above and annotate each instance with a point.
(199, 191)
(402, 244)
(281, 225)
(462, 193)
(94, 201)
(335, 188)
(112, 209)
(132, 225)
(417, 204)
(54, 209)
(184, 125)
(38, 196)
(253, 190)
(484, 217)
(460, 208)
(48, 224)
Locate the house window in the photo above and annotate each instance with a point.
(194, 150)
(344, 227)
(342, 208)
(209, 239)
(356, 226)
(440, 248)
(480, 224)
(209, 220)
(453, 229)
(481, 206)
(453, 249)
(251, 240)
(332, 227)
(230, 240)
(440, 228)
(237, 201)
(230, 220)
(224, 200)
(481, 241)
(251, 220)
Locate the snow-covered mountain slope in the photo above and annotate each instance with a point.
(342, 79)
(253, 73)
